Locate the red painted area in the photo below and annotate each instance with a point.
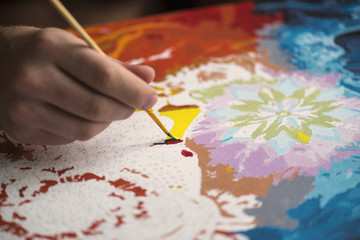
(186, 153)
(120, 221)
(115, 209)
(117, 196)
(24, 202)
(88, 176)
(143, 213)
(17, 216)
(85, 177)
(61, 172)
(45, 188)
(245, 19)
(22, 190)
(173, 142)
(52, 170)
(58, 157)
(14, 152)
(37, 236)
(3, 194)
(93, 229)
(128, 186)
(68, 235)
(12, 228)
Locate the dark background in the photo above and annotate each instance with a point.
(40, 12)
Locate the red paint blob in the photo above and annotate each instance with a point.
(128, 186)
(93, 229)
(61, 172)
(120, 221)
(12, 228)
(186, 153)
(45, 187)
(21, 191)
(17, 216)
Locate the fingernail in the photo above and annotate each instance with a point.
(150, 102)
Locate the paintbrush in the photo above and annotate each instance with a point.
(81, 31)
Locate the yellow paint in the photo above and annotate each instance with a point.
(182, 119)
(159, 88)
(179, 186)
(303, 137)
(171, 186)
(228, 169)
(177, 90)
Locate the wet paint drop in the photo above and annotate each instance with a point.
(171, 186)
(186, 153)
(179, 186)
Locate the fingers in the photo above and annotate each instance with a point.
(73, 97)
(42, 137)
(56, 89)
(108, 77)
(144, 72)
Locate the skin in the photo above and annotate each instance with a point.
(55, 89)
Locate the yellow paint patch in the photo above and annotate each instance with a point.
(179, 186)
(303, 137)
(159, 88)
(182, 119)
(171, 186)
(228, 169)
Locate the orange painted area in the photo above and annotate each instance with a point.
(194, 36)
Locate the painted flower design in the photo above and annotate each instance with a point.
(292, 114)
(292, 126)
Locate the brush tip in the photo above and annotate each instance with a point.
(169, 134)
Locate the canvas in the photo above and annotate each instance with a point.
(265, 100)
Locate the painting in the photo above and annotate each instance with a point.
(265, 98)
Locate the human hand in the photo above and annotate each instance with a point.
(55, 89)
